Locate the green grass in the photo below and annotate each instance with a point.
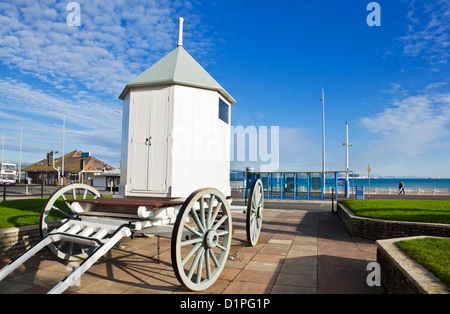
(434, 211)
(432, 253)
(16, 213)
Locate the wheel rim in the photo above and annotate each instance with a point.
(56, 209)
(255, 210)
(199, 260)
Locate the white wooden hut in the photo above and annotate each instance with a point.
(175, 130)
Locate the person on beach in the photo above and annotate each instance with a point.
(401, 188)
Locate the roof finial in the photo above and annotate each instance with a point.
(180, 32)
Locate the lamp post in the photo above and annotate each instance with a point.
(323, 139)
(347, 145)
(20, 153)
(64, 131)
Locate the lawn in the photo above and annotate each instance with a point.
(435, 211)
(16, 213)
(432, 253)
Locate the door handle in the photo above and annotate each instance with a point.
(148, 141)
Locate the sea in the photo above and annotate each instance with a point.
(441, 184)
(410, 183)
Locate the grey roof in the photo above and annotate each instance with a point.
(177, 67)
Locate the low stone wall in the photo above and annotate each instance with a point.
(376, 229)
(400, 274)
(15, 241)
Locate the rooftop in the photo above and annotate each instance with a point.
(72, 163)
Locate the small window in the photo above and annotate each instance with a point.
(223, 111)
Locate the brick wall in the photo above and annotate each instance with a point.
(402, 275)
(15, 241)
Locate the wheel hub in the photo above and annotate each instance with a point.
(211, 239)
(259, 211)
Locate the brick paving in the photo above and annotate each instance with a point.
(302, 250)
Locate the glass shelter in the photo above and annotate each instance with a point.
(295, 185)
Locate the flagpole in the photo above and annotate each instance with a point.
(323, 138)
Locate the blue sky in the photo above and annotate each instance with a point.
(390, 82)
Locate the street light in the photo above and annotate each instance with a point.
(347, 145)
(323, 138)
(64, 131)
(20, 153)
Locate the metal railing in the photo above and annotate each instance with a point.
(19, 191)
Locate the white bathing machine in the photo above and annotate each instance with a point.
(176, 130)
(174, 180)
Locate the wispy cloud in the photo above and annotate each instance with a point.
(80, 71)
(116, 41)
(410, 127)
(90, 121)
(429, 30)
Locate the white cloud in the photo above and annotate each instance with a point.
(116, 41)
(410, 127)
(89, 120)
(429, 30)
(80, 71)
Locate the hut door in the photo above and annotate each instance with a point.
(149, 142)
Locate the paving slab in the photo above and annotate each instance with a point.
(303, 249)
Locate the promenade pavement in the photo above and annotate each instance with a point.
(303, 249)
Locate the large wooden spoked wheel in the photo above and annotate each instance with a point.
(56, 209)
(255, 209)
(199, 258)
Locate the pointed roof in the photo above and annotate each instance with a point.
(177, 67)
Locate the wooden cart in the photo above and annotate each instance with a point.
(200, 228)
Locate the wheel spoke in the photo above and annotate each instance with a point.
(208, 217)
(221, 247)
(192, 241)
(194, 264)
(214, 258)
(191, 252)
(202, 212)
(208, 264)
(221, 221)
(197, 220)
(216, 212)
(194, 231)
(61, 244)
(261, 196)
(200, 266)
(71, 248)
(219, 234)
(61, 211)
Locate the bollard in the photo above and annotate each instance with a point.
(4, 192)
(42, 189)
(332, 200)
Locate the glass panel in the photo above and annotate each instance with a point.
(316, 186)
(223, 111)
(302, 186)
(276, 182)
(288, 185)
